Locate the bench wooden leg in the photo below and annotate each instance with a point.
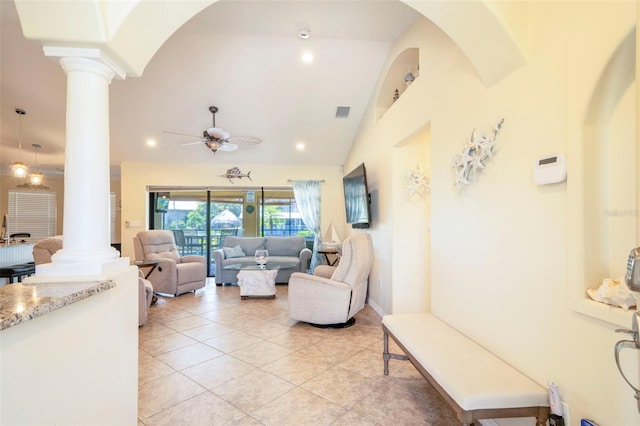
(387, 356)
(385, 353)
(541, 419)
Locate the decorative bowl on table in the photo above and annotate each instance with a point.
(262, 257)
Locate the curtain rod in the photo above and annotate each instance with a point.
(291, 180)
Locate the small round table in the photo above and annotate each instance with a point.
(151, 263)
(326, 254)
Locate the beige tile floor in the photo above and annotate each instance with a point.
(209, 358)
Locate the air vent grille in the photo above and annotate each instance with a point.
(342, 112)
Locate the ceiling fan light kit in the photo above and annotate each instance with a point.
(217, 133)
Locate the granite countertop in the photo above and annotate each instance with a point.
(22, 302)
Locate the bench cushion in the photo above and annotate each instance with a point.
(474, 377)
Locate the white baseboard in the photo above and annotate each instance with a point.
(376, 308)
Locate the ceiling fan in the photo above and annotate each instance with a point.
(218, 139)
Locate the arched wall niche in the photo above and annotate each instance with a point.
(408, 61)
(604, 218)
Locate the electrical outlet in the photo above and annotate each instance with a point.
(565, 413)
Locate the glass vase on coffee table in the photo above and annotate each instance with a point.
(262, 257)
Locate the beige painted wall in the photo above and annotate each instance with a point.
(411, 233)
(56, 184)
(499, 249)
(136, 177)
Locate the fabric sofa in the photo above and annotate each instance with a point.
(237, 251)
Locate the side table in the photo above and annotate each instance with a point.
(152, 264)
(326, 254)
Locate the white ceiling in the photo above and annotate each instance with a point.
(242, 56)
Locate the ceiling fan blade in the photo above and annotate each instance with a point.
(192, 143)
(244, 140)
(181, 134)
(228, 147)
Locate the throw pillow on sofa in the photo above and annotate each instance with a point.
(231, 252)
(285, 246)
(249, 244)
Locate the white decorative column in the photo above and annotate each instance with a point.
(86, 246)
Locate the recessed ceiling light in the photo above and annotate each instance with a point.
(307, 57)
(151, 142)
(300, 146)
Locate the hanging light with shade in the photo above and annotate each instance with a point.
(36, 177)
(19, 168)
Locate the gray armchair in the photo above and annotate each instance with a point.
(176, 274)
(333, 301)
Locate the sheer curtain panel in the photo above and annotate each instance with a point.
(307, 193)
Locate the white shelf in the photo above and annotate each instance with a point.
(604, 312)
(405, 62)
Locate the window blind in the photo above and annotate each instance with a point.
(34, 212)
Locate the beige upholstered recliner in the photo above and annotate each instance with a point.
(333, 301)
(45, 248)
(176, 274)
(145, 296)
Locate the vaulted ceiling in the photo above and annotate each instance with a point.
(243, 57)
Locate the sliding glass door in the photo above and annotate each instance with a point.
(201, 218)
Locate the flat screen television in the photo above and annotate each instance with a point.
(357, 202)
(162, 202)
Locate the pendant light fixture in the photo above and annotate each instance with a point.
(36, 177)
(19, 168)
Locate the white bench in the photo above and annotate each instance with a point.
(476, 383)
